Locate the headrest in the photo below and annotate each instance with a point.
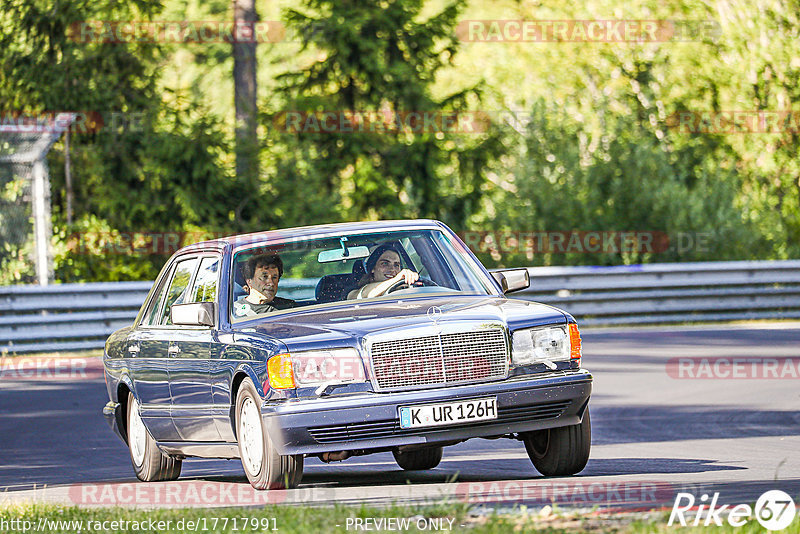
(334, 287)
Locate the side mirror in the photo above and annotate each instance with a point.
(193, 314)
(512, 279)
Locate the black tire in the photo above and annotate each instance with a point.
(274, 471)
(150, 465)
(418, 460)
(560, 451)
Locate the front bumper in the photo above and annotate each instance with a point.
(371, 420)
(112, 412)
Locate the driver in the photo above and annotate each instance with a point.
(383, 271)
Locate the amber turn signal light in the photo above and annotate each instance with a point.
(574, 342)
(279, 371)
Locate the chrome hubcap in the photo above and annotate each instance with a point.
(136, 434)
(251, 437)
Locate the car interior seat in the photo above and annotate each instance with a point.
(333, 287)
(239, 282)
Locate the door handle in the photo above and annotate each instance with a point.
(133, 349)
(173, 350)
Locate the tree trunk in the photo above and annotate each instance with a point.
(244, 81)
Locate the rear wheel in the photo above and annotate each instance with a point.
(418, 460)
(264, 467)
(560, 451)
(149, 463)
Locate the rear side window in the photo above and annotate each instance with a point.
(154, 313)
(177, 292)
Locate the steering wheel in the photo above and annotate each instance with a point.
(421, 282)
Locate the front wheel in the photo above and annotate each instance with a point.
(418, 460)
(560, 451)
(149, 463)
(264, 467)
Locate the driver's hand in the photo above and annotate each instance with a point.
(408, 276)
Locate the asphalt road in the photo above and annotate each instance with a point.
(656, 432)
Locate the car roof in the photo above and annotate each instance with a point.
(279, 235)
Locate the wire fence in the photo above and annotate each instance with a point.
(17, 260)
(25, 219)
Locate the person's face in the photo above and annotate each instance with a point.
(265, 280)
(388, 266)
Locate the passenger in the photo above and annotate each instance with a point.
(262, 274)
(383, 271)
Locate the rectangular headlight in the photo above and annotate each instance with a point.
(536, 345)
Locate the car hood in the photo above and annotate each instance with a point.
(346, 324)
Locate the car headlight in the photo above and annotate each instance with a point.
(545, 344)
(316, 367)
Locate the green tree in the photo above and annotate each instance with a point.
(603, 154)
(632, 182)
(375, 60)
(145, 167)
(245, 94)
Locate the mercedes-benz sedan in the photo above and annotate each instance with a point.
(342, 340)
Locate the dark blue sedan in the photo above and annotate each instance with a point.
(342, 340)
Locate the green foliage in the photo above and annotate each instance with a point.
(376, 62)
(46, 66)
(16, 245)
(166, 180)
(596, 150)
(147, 167)
(604, 154)
(631, 182)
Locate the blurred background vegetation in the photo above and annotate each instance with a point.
(580, 136)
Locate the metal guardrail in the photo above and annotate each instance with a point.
(66, 317)
(670, 292)
(80, 316)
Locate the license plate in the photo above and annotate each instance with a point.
(450, 413)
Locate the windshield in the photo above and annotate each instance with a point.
(370, 266)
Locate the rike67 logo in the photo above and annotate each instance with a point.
(774, 510)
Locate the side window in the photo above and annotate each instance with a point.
(463, 269)
(178, 288)
(204, 288)
(154, 313)
(416, 261)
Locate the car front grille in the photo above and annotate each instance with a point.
(442, 359)
(385, 429)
